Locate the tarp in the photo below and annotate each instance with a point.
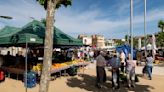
(12, 36)
(34, 32)
(126, 49)
(60, 38)
(6, 34)
(8, 31)
(149, 47)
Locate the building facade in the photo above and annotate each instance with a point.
(110, 43)
(87, 40)
(98, 41)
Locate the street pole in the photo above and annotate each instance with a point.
(26, 65)
(128, 37)
(145, 28)
(131, 27)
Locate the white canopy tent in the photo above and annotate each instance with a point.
(149, 47)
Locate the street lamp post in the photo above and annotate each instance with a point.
(131, 27)
(145, 28)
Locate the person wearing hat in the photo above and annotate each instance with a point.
(100, 69)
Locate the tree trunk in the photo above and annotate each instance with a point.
(48, 47)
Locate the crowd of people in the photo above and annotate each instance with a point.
(120, 63)
(122, 67)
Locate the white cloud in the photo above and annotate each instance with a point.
(21, 12)
(87, 22)
(77, 22)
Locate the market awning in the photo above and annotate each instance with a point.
(60, 38)
(8, 31)
(34, 32)
(6, 34)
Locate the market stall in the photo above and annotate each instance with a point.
(31, 36)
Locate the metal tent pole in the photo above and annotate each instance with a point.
(131, 27)
(145, 28)
(26, 65)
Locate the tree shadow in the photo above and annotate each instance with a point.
(87, 83)
(143, 76)
(18, 77)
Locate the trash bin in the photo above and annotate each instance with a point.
(31, 79)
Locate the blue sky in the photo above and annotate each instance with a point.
(106, 17)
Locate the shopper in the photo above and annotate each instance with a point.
(123, 58)
(100, 69)
(115, 64)
(149, 65)
(130, 72)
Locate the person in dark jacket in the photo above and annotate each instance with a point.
(115, 64)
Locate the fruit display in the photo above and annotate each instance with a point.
(38, 67)
(63, 64)
(58, 65)
(34, 68)
(75, 61)
(68, 63)
(81, 60)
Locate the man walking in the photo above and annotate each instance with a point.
(130, 72)
(100, 69)
(149, 65)
(115, 63)
(122, 57)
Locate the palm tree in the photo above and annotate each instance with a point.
(160, 39)
(161, 25)
(127, 38)
(50, 6)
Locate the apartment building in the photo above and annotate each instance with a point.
(98, 41)
(87, 40)
(110, 43)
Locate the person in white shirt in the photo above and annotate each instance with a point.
(122, 57)
(130, 72)
(149, 65)
(91, 54)
(79, 54)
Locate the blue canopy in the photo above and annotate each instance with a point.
(126, 49)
